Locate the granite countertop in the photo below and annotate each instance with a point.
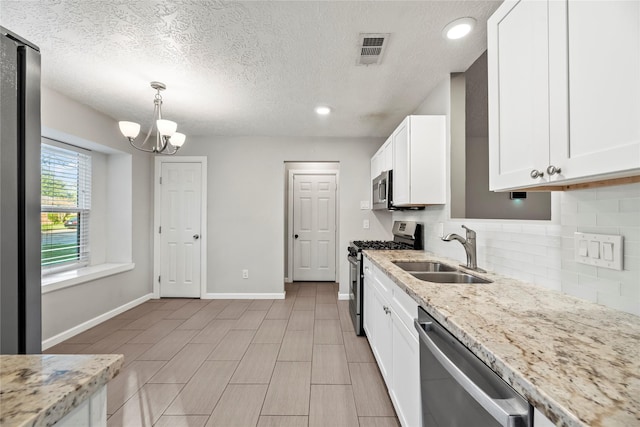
(575, 361)
(38, 390)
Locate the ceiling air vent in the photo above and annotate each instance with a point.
(371, 47)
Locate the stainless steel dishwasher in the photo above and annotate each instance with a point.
(458, 389)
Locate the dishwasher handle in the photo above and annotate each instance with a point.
(500, 409)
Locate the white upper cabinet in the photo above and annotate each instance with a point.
(383, 159)
(595, 109)
(564, 92)
(419, 161)
(518, 93)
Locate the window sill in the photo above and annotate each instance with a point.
(65, 279)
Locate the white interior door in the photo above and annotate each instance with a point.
(180, 222)
(314, 227)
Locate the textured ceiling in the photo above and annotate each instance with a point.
(248, 68)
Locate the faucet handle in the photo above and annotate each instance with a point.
(470, 233)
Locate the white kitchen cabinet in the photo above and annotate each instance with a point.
(383, 159)
(405, 391)
(564, 92)
(367, 266)
(393, 343)
(419, 161)
(518, 93)
(382, 331)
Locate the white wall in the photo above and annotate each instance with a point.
(246, 202)
(540, 252)
(66, 308)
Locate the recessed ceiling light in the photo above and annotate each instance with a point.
(323, 110)
(458, 28)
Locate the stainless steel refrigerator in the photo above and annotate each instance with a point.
(20, 289)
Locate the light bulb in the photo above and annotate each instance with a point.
(323, 110)
(178, 139)
(129, 129)
(166, 127)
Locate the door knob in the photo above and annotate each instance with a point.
(295, 236)
(536, 174)
(196, 236)
(552, 170)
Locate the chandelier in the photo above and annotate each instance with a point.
(167, 140)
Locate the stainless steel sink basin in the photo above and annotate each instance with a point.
(449, 277)
(423, 266)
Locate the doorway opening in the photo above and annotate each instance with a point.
(311, 221)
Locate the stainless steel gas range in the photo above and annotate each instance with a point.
(406, 235)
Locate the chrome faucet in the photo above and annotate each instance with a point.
(469, 245)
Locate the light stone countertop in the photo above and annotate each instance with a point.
(575, 361)
(39, 390)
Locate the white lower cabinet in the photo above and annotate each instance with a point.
(405, 391)
(394, 343)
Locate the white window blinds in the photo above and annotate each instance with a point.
(66, 205)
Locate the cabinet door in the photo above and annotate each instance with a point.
(376, 165)
(367, 305)
(518, 94)
(401, 164)
(595, 87)
(381, 323)
(387, 155)
(406, 373)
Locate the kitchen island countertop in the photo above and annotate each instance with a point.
(575, 361)
(39, 390)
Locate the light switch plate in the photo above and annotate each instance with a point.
(600, 250)
(364, 204)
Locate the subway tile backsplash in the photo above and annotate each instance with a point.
(542, 253)
(607, 210)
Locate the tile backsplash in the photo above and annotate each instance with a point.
(540, 252)
(607, 210)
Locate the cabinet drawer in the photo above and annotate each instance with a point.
(367, 267)
(405, 307)
(383, 283)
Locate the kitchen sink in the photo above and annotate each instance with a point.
(423, 266)
(449, 277)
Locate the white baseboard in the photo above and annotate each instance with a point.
(57, 339)
(222, 295)
(343, 297)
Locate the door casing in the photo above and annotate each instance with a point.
(159, 160)
(292, 172)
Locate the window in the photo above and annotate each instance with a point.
(66, 203)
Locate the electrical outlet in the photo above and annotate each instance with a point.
(245, 274)
(365, 224)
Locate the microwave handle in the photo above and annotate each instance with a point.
(381, 193)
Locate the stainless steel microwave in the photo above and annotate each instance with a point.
(382, 193)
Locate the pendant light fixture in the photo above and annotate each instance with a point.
(167, 140)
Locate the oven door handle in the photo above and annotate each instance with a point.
(501, 409)
(353, 261)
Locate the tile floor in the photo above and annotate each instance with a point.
(292, 362)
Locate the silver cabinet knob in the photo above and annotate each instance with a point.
(196, 236)
(536, 174)
(552, 170)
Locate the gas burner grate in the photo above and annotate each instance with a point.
(381, 245)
